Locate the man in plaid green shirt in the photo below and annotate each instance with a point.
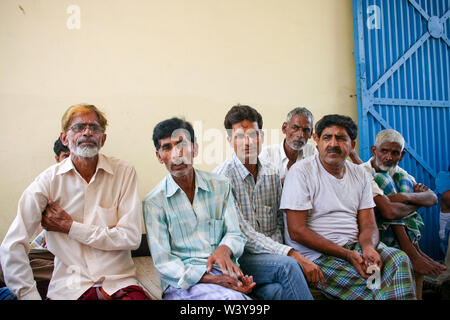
(191, 223)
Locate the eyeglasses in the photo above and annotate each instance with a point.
(80, 127)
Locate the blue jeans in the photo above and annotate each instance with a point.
(277, 277)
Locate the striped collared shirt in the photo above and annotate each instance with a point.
(258, 203)
(182, 235)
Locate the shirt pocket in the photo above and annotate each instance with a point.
(215, 231)
(105, 217)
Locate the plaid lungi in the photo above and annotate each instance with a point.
(342, 280)
(413, 223)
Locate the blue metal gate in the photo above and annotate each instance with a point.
(402, 61)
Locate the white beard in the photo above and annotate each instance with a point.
(83, 152)
(381, 167)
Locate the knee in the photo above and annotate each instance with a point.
(396, 258)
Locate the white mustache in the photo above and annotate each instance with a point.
(87, 140)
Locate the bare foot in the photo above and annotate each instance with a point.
(423, 266)
(438, 265)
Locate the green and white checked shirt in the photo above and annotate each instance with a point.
(258, 205)
(182, 235)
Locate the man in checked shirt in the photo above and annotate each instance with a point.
(278, 270)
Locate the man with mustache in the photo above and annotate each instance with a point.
(89, 204)
(330, 220)
(278, 270)
(298, 128)
(398, 197)
(192, 225)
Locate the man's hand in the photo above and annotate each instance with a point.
(419, 187)
(312, 272)
(54, 218)
(222, 257)
(358, 262)
(371, 257)
(245, 285)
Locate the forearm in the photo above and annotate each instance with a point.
(368, 238)
(427, 198)
(393, 207)
(313, 240)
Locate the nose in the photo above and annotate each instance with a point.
(89, 131)
(177, 152)
(333, 141)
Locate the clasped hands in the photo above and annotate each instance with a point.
(221, 256)
(54, 218)
(362, 262)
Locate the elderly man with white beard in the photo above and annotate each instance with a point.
(90, 207)
(398, 196)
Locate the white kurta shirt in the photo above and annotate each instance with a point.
(107, 224)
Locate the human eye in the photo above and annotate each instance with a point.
(78, 127)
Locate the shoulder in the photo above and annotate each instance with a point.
(214, 180)
(358, 171)
(309, 150)
(308, 164)
(116, 164)
(367, 166)
(157, 195)
(270, 151)
(224, 168)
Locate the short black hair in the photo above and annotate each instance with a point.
(165, 128)
(58, 147)
(240, 113)
(337, 120)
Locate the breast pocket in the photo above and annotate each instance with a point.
(215, 231)
(105, 217)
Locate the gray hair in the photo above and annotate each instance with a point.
(390, 135)
(301, 111)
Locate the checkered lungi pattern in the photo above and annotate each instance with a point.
(342, 281)
(413, 223)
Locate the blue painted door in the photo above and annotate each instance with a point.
(402, 60)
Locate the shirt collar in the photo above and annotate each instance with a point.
(242, 170)
(172, 187)
(66, 165)
(282, 152)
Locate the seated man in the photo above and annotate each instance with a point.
(41, 260)
(330, 219)
(192, 225)
(276, 268)
(398, 197)
(89, 205)
(298, 128)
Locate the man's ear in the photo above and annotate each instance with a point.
(159, 156)
(403, 154)
(316, 138)
(373, 149)
(283, 127)
(195, 149)
(103, 139)
(229, 139)
(63, 138)
(353, 144)
(261, 140)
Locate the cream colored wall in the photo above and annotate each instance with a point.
(142, 61)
